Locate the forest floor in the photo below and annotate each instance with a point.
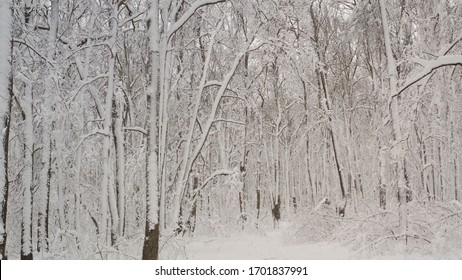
(285, 243)
(270, 245)
(434, 232)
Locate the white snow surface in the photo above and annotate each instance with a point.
(264, 246)
(278, 244)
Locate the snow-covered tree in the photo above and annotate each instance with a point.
(127, 125)
(5, 109)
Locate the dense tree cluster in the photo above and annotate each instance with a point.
(127, 123)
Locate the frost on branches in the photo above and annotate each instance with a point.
(210, 129)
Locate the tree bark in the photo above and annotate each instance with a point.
(46, 128)
(324, 98)
(120, 160)
(107, 189)
(152, 234)
(27, 180)
(395, 119)
(6, 92)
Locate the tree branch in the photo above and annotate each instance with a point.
(429, 67)
(184, 18)
(22, 42)
(212, 176)
(137, 129)
(229, 121)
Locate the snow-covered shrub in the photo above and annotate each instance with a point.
(434, 231)
(314, 225)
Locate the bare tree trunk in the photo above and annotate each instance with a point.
(107, 188)
(456, 195)
(189, 159)
(382, 180)
(60, 184)
(245, 153)
(46, 129)
(152, 229)
(186, 169)
(325, 101)
(120, 161)
(456, 183)
(78, 197)
(395, 118)
(6, 88)
(26, 226)
(287, 192)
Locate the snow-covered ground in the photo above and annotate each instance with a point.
(270, 245)
(279, 243)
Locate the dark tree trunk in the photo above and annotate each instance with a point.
(151, 243)
(258, 186)
(434, 183)
(310, 180)
(258, 203)
(47, 212)
(383, 196)
(455, 181)
(43, 217)
(276, 211)
(337, 164)
(324, 95)
(441, 174)
(427, 184)
(408, 185)
(241, 206)
(6, 187)
(193, 216)
(360, 184)
(25, 256)
(242, 167)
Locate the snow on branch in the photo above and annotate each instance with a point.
(229, 121)
(133, 17)
(194, 7)
(429, 67)
(136, 129)
(215, 174)
(449, 47)
(84, 83)
(93, 133)
(23, 42)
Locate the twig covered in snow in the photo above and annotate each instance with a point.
(429, 67)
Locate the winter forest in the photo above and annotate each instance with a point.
(215, 129)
